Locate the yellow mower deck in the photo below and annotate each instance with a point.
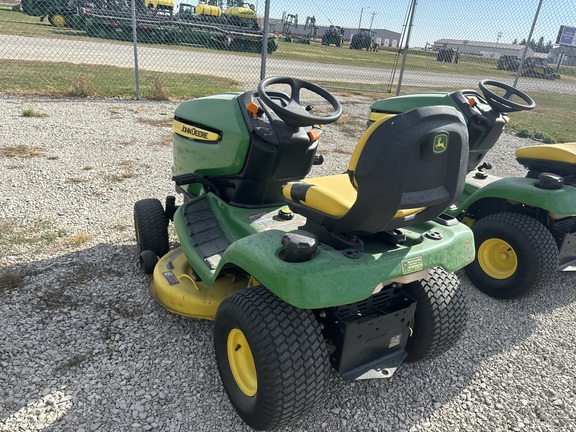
(174, 287)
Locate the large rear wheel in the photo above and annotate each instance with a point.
(440, 317)
(271, 357)
(514, 255)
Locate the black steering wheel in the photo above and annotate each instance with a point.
(293, 113)
(502, 104)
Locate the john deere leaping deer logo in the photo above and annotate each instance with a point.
(440, 143)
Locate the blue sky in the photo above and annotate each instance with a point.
(481, 20)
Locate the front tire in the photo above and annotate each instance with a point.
(271, 357)
(151, 226)
(515, 254)
(440, 317)
(148, 261)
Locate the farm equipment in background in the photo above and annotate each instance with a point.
(210, 31)
(362, 40)
(312, 28)
(59, 12)
(448, 55)
(536, 67)
(204, 24)
(160, 5)
(239, 16)
(65, 13)
(333, 36)
(290, 21)
(508, 62)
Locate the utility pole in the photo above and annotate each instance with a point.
(527, 44)
(372, 20)
(361, 13)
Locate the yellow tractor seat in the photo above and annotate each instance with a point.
(333, 195)
(554, 158)
(405, 169)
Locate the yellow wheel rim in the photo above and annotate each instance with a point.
(58, 20)
(241, 362)
(497, 258)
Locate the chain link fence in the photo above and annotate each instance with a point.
(170, 48)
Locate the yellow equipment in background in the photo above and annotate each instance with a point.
(160, 4)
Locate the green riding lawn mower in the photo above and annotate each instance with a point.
(524, 228)
(353, 270)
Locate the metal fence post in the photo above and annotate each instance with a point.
(406, 45)
(135, 40)
(527, 44)
(265, 40)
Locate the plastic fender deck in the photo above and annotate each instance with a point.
(522, 190)
(331, 278)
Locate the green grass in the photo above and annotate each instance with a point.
(17, 23)
(35, 235)
(553, 116)
(69, 80)
(30, 112)
(551, 121)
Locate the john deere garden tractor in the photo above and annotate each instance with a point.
(353, 270)
(524, 227)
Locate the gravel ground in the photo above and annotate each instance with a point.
(84, 347)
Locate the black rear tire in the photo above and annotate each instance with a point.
(151, 225)
(286, 357)
(440, 317)
(515, 254)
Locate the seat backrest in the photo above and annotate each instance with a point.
(413, 160)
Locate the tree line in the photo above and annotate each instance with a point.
(537, 46)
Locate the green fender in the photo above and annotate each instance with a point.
(331, 279)
(522, 190)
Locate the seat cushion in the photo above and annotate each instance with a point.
(556, 158)
(552, 152)
(333, 195)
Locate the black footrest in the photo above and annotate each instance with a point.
(207, 238)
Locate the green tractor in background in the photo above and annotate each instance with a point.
(334, 35)
(59, 12)
(524, 228)
(362, 40)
